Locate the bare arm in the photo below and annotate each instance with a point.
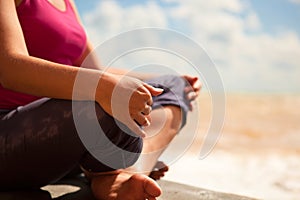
(24, 73)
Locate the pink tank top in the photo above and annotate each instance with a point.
(50, 34)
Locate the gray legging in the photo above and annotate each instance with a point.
(39, 143)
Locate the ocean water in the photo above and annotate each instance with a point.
(257, 154)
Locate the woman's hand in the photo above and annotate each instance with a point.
(127, 99)
(192, 88)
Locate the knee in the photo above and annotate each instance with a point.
(174, 83)
(117, 152)
(129, 145)
(125, 152)
(132, 151)
(117, 146)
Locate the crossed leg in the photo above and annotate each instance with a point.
(166, 122)
(126, 184)
(134, 182)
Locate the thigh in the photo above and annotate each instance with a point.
(38, 144)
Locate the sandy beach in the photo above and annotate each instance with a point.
(257, 154)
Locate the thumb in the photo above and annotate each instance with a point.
(193, 80)
(154, 91)
(136, 129)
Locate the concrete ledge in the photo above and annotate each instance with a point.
(176, 191)
(78, 189)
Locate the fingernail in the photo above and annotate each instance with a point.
(147, 123)
(191, 95)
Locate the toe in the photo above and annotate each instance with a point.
(161, 166)
(159, 170)
(151, 187)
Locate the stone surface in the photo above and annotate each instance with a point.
(78, 189)
(175, 191)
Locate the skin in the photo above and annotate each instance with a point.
(24, 73)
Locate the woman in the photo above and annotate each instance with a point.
(42, 43)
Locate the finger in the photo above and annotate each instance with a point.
(148, 118)
(191, 96)
(145, 93)
(147, 110)
(188, 89)
(190, 79)
(194, 87)
(194, 82)
(161, 166)
(141, 119)
(136, 129)
(153, 91)
(197, 86)
(149, 101)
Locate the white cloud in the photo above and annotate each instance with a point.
(109, 18)
(252, 22)
(230, 31)
(295, 1)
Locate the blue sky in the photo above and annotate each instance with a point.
(275, 14)
(247, 39)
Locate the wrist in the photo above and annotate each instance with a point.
(104, 90)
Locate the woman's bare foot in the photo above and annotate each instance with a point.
(124, 186)
(159, 170)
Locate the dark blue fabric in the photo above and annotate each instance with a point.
(173, 93)
(39, 143)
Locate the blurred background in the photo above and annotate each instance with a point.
(255, 46)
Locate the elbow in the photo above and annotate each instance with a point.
(4, 81)
(8, 63)
(3, 71)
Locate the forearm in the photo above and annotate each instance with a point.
(39, 77)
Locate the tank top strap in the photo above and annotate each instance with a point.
(69, 6)
(46, 3)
